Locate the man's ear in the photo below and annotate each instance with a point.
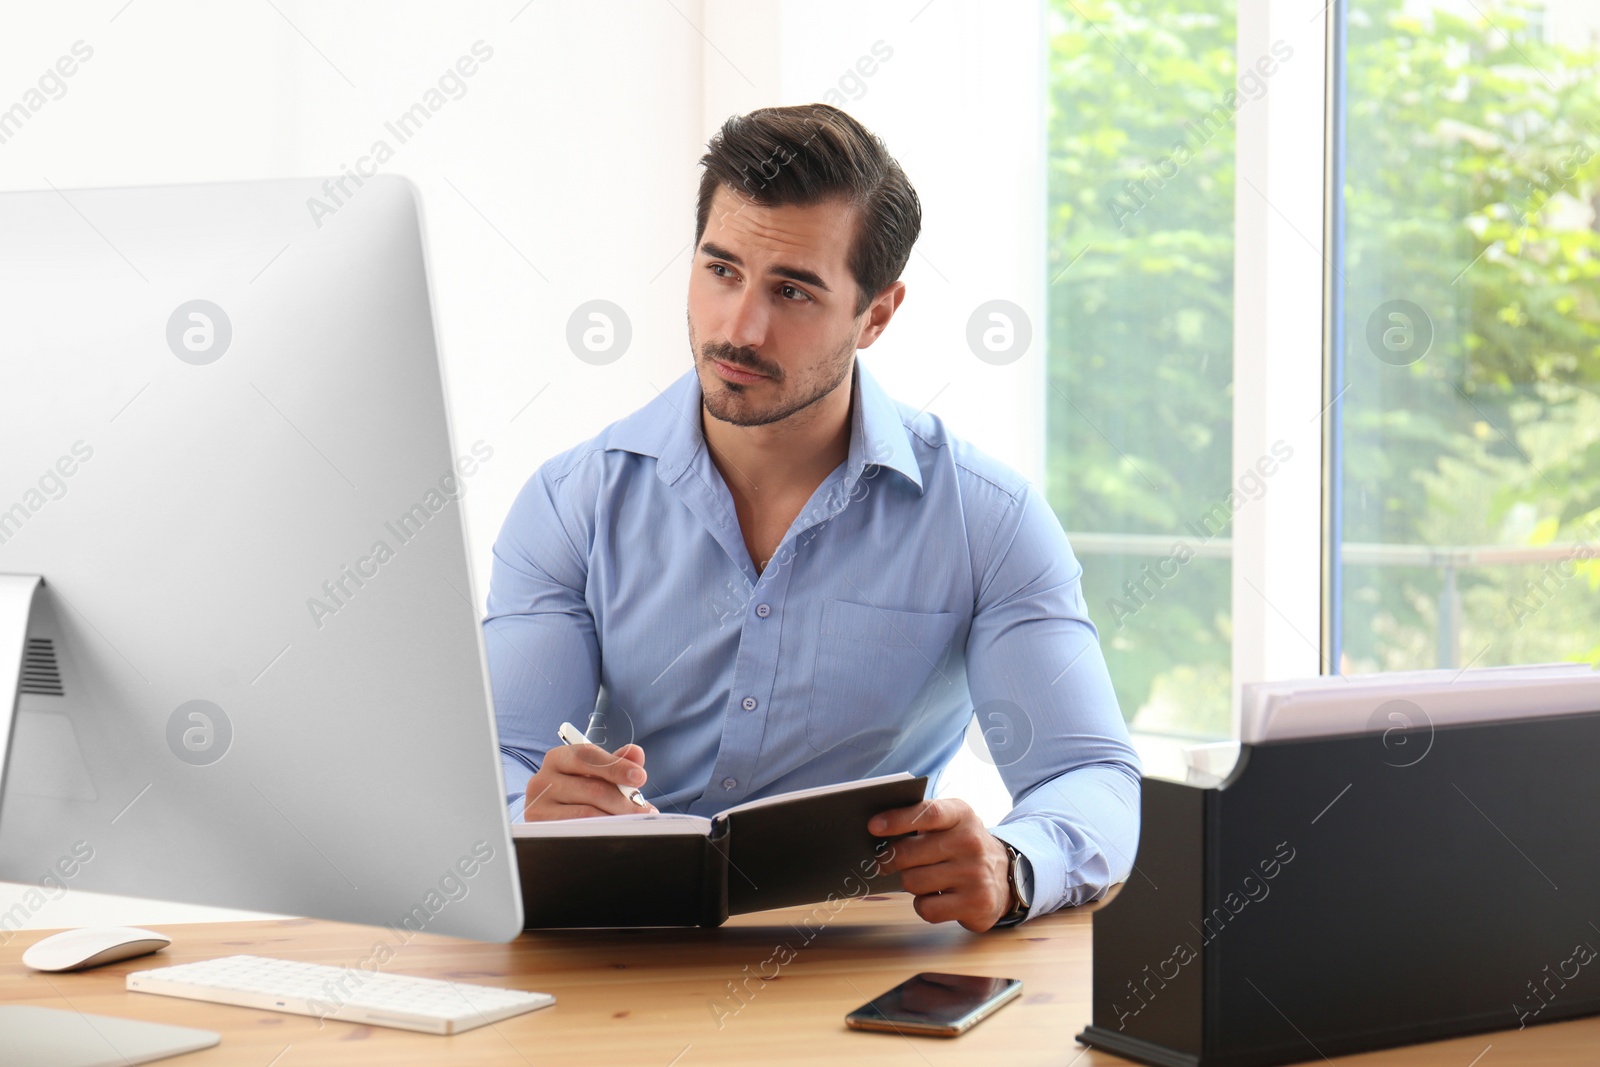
(880, 311)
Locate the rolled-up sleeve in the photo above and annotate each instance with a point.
(1045, 703)
(544, 658)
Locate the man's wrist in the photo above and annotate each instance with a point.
(1019, 882)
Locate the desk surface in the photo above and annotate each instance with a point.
(672, 998)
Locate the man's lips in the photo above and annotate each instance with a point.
(736, 374)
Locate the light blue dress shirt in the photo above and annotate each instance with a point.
(923, 580)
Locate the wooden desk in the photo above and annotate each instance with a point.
(651, 997)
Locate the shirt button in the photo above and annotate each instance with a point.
(729, 783)
(763, 610)
(749, 704)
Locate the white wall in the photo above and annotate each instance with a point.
(566, 173)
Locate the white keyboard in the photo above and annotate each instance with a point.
(350, 995)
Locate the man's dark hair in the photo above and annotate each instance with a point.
(810, 154)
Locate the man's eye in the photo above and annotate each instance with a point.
(718, 266)
(791, 289)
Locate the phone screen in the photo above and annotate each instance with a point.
(935, 1003)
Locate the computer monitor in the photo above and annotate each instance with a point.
(253, 672)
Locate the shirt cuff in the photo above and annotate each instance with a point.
(516, 772)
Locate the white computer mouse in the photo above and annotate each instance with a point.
(74, 950)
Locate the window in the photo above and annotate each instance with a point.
(1140, 399)
(1450, 239)
(1467, 463)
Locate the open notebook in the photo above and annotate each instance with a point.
(685, 870)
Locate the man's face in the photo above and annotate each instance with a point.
(772, 302)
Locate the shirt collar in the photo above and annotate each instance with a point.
(668, 428)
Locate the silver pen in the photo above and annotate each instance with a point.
(571, 735)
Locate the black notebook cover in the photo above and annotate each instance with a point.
(784, 853)
(798, 852)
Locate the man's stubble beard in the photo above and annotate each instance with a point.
(722, 404)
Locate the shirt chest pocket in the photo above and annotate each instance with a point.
(872, 667)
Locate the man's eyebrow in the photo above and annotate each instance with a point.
(794, 274)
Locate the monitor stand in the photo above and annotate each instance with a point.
(50, 1037)
(17, 593)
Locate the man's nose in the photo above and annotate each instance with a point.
(748, 327)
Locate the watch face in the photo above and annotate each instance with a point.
(1013, 877)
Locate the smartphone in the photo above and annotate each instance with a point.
(941, 1005)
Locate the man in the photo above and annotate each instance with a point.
(775, 577)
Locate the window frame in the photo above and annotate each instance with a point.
(1282, 388)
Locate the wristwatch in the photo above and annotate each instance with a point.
(1019, 875)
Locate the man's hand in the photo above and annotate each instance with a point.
(954, 866)
(579, 781)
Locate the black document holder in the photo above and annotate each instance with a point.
(1442, 882)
